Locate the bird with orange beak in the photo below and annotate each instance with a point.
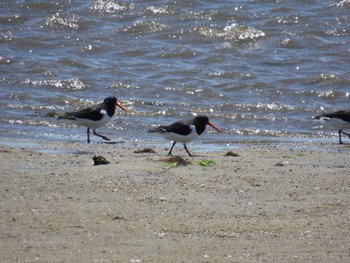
(95, 116)
(184, 131)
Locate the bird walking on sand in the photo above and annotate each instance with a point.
(184, 131)
(340, 119)
(95, 116)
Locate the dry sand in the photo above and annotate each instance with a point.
(272, 203)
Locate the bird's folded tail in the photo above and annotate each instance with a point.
(67, 115)
(159, 129)
(323, 117)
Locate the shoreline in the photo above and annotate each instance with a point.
(198, 145)
(273, 202)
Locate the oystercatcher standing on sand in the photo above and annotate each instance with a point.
(184, 131)
(340, 119)
(95, 116)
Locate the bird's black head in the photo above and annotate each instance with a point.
(201, 119)
(200, 123)
(110, 100)
(109, 104)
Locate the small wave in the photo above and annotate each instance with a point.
(242, 32)
(230, 75)
(341, 3)
(158, 10)
(289, 19)
(337, 32)
(327, 78)
(109, 7)
(233, 32)
(320, 94)
(59, 20)
(28, 122)
(259, 107)
(72, 63)
(68, 84)
(5, 60)
(178, 52)
(144, 27)
(196, 16)
(6, 36)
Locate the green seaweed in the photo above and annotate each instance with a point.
(204, 162)
(170, 164)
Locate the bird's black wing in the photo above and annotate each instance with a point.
(92, 113)
(342, 114)
(180, 127)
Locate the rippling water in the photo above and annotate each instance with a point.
(259, 69)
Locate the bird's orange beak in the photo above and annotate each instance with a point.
(120, 106)
(213, 126)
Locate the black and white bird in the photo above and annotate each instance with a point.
(95, 116)
(339, 119)
(184, 131)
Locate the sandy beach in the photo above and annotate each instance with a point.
(272, 202)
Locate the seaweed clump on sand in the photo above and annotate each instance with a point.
(100, 160)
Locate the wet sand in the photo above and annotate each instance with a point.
(271, 203)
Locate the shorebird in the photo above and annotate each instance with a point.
(184, 131)
(95, 116)
(340, 119)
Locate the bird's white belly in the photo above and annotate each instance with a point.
(171, 136)
(93, 124)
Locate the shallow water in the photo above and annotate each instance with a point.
(259, 70)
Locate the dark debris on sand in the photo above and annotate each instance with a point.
(231, 154)
(100, 160)
(145, 150)
(178, 160)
